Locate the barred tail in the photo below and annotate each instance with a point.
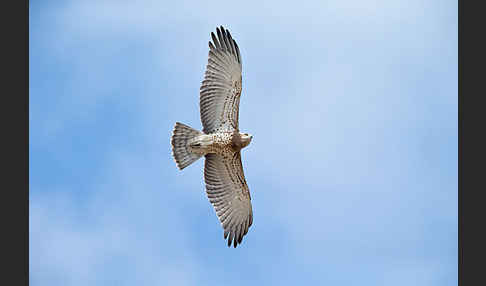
(180, 149)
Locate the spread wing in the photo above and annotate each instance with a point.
(229, 194)
(221, 88)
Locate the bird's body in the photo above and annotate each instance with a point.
(220, 141)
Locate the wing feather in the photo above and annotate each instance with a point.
(216, 42)
(228, 192)
(221, 88)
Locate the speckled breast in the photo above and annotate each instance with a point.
(222, 143)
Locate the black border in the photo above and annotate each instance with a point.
(471, 160)
(15, 133)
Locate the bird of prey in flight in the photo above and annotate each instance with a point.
(220, 141)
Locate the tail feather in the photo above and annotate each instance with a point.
(180, 149)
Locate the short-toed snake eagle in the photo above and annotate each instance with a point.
(220, 141)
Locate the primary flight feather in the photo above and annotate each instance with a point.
(220, 141)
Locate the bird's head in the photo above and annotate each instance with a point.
(245, 139)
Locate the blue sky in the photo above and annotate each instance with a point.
(352, 168)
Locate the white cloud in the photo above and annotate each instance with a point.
(125, 222)
(347, 75)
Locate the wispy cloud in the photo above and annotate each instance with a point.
(353, 167)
